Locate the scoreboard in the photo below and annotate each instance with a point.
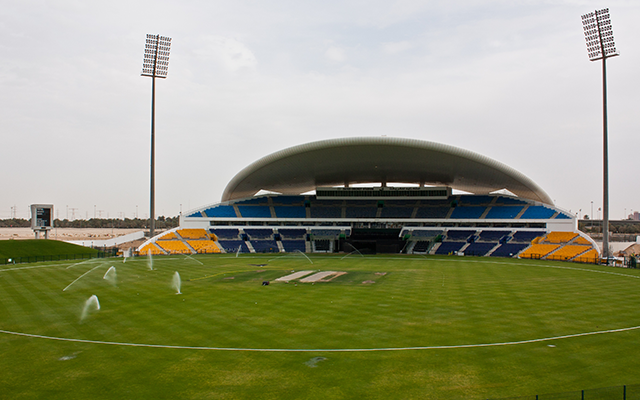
(41, 216)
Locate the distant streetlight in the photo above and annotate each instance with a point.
(155, 65)
(600, 46)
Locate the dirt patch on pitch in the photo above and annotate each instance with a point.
(323, 276)
(332, 277)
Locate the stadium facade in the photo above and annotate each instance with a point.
(341, 195)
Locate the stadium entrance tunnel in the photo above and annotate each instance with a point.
(373, 241)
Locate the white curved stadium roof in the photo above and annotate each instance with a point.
(302, 168)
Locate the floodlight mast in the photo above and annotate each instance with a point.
(600, 46)
(155, 65)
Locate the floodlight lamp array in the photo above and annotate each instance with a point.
(599, 35)
(156, 56)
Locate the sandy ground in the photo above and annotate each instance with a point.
(66, 233)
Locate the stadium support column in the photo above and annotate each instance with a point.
(154, 65)
(600, 45)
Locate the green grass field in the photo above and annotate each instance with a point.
(430, 328)
(15, 249)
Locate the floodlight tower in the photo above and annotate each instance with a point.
(155, 65)
(600, 46)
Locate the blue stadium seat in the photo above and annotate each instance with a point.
(526, 236)
(396, 212)
(231, 246)
(255, 201)
(459, 234)
(432, 212)
(290, 211)
(509, 249)
(292, 233)
(475, 200)
(292, 245)
(503, 212)
(467, 212)
(259, 233)
(421, 246)
(538, 212)
(361, 212)
(326, 212)
(221, 211)
(325, 233)
(509, 200)
(492, 236)
(254, 211)
(288, 200)
(449, 247)
(265, 246)
(225, 233)
(421, 233)
(479, 248)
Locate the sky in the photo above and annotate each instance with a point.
(509, 79)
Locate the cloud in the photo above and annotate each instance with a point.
(396, 47)
(335, 54)
(231, 54)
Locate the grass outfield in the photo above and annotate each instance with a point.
(341, 339)
(40, 247)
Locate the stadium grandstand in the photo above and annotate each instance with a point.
(342, 195)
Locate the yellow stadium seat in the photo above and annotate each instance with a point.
(173, 246)
(559, 237)
(538, 250)
(150, 248)
(568, 252)
(581, 240)
(204, 246)
(590, 256)
(168, 236)
(193, 233)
